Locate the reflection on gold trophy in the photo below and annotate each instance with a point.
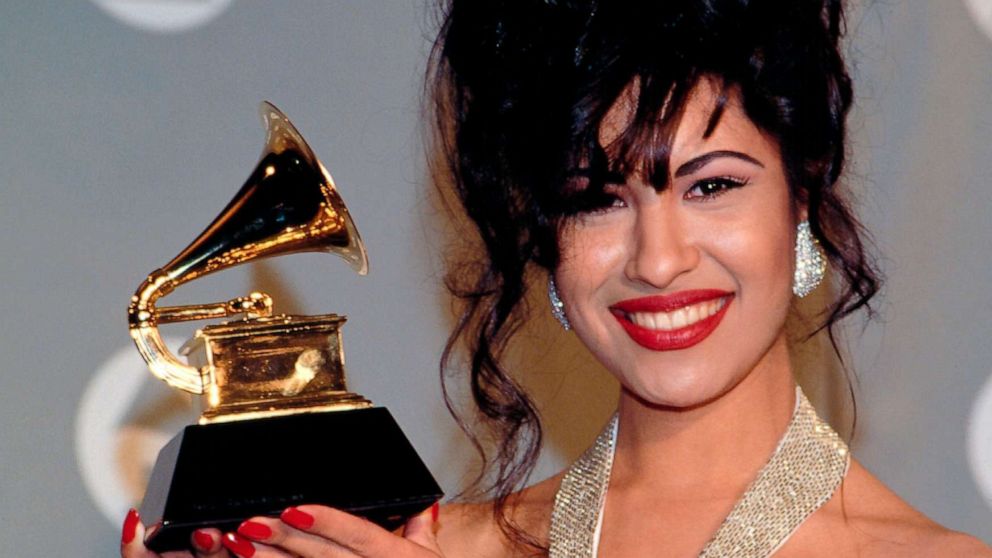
(289, 204)
(269, 379)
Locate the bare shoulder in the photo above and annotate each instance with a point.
(469, 530)
(866, 518)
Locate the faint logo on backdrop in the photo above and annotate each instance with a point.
(980, 440)
(124, 418)
(981, 12)
(164, 16)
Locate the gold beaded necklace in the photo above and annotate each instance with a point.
(802, 474)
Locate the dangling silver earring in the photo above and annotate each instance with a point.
(810, 263)
(557, 306)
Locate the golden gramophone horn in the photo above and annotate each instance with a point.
(288, 204)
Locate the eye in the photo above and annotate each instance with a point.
(594, 202)
(592, 193)
(710, 188)
(601, 203)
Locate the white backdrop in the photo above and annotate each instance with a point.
(126, 125)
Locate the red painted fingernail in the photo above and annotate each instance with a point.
(203, 540)
(435, 511)
(238, 545)
(130, 526)
(296, 518)
(255, 531)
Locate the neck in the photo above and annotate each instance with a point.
(711, 450)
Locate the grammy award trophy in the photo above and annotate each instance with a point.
(273, 384)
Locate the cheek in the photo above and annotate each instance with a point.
(596, 246)
(590, 258)
(758, 254)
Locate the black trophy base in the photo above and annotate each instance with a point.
(218, 475)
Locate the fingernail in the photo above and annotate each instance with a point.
(254, 530)
(435, 511)
(296, 518)
(240, 546)
(203, 540)
(130, 526)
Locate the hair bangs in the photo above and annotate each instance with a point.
(641, 146)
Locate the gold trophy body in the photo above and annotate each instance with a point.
(278, 425)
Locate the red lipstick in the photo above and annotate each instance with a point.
(675, 339)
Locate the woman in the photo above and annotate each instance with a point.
(673, 167)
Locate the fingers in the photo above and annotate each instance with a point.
(131, 545)
(266, 537)
(422, 528)
(242, 547)
(360, 536)
(312, 531)
(133, 540)
(207, 543)
(133, 537)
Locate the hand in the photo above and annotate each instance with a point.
(207, 542)
(322, 532)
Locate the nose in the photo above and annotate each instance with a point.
(662, 247)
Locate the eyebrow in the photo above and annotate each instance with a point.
(697, 163)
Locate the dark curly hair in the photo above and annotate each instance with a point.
(520, 88)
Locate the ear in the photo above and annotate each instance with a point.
(801, 211)
(799, 197)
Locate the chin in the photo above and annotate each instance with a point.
(677, 391)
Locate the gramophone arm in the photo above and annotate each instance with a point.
(144, 317)
(255, 305)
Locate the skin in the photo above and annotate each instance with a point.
(135, 548)
(720, 406)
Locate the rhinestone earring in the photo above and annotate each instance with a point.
(557, 306)
(810, 263)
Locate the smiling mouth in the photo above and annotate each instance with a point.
(674, 321)
(677, 319)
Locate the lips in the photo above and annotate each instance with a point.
(673, 321)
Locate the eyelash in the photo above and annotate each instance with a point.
(723, 184)
(591, 200)
(615, 202)
(720, 185)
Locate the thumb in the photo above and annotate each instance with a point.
(133, 536)
(421, 529)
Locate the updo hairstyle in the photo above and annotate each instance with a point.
(520, 89)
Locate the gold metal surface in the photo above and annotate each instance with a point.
(255, 305)
(271, 366)
(261, 365)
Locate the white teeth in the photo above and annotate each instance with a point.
(677, 319)
(649, 321)
(643, 320)
(694, 313)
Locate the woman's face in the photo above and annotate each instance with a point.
(681, 293)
